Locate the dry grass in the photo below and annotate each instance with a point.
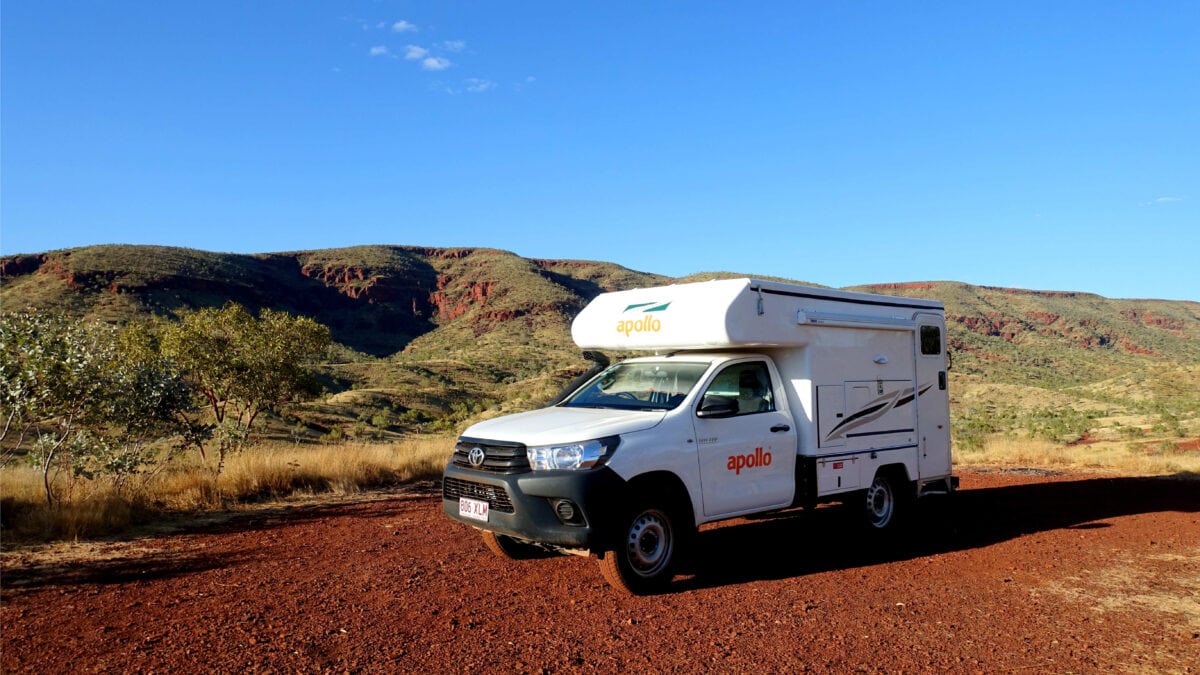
(274, 470)
(1135, 459)
(266, 471)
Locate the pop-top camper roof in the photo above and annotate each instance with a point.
(732, 313)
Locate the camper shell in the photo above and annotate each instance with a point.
(755, 396)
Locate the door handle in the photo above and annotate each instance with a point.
(780, 427)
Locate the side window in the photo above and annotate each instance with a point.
(931, 340)
(747, 383)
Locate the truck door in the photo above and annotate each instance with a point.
(933, 400)
(747, 458)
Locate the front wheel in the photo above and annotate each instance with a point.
(645, 556)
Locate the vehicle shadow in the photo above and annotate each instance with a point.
(137, 560)
(797, 543)
(131, 566)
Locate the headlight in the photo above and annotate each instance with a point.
(572, 456)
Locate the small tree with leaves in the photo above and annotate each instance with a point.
(147, 400)
(242, 365)
(53, 375)
(85, 397)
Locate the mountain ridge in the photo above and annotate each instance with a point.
(441, 328)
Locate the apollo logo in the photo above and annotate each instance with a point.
(749, 461)
(645, 324)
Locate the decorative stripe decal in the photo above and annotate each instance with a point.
(909, 399)
(650, 307)
(880, 433)
(875, 410)
(865, 415)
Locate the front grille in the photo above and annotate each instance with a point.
(495, 495)
(498, 456)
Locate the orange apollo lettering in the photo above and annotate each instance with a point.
(647, 324)
(748, 461)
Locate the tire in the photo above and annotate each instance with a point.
(882, 503)
(507, 547)
(647, 551)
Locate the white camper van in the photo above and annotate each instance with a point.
(759, 396)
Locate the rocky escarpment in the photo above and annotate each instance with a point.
(380, 299)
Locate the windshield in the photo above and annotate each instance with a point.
(639, 386)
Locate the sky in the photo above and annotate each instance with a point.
(1039, 145)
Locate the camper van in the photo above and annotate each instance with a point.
(754, 396)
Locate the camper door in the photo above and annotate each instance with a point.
(933, 401)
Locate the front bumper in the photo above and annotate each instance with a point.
(522, 505)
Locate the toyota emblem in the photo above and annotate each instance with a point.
(476, 456)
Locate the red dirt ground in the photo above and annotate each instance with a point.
(1019, 571)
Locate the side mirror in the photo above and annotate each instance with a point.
(717, 406)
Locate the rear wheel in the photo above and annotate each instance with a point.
(882, 502)
(645, 556)
(507, 547)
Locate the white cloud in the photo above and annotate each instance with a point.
(454, 45)
(379, 50)
(415, 53)
(478, 86)
(403, 27)
(435, 63)
(1164, 200)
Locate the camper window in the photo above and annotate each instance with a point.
(931, 340)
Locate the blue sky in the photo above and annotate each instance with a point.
(1050, 146)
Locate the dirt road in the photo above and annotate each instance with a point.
(1017, 571)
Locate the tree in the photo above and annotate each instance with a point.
(242, 366)
(86, 396)
(147, 399)
(52, 376)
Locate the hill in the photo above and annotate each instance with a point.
(434, 336)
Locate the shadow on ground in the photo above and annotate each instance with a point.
(136, 566)
(796, 543)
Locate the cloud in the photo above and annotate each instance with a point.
(454, 45)
(403, 27)
(478, 86)
(379, 50)
(1169, 199)
(435, 63)
(414, 53)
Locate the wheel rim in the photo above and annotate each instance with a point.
(880, 503)
(648, 545)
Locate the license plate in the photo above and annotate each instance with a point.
(474, 509)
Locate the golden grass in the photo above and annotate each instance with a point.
(269, 470)
(275, 470)
(1136, 459)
